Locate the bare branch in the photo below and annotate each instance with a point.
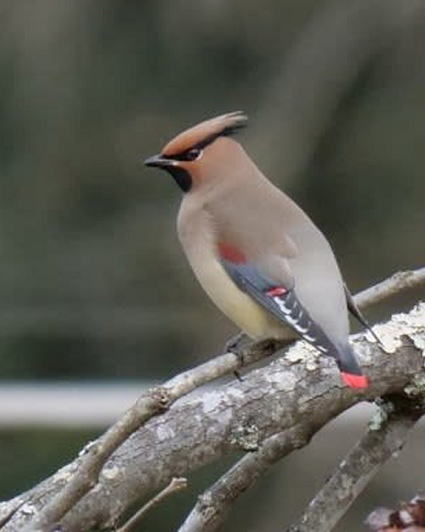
(176, 484)
(153, 402)
(213, 505)
(326, 509)
(233, 416)
(397, 283)
(353, 474)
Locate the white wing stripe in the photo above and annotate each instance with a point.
(295, 320)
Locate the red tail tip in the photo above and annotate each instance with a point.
(354, 381)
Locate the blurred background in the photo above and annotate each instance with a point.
(96, 298)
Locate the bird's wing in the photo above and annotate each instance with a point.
(280, 300)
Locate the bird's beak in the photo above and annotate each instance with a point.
(159, 161)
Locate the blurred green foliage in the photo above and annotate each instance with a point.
(35, 454)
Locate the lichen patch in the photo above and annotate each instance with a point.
(411, 325)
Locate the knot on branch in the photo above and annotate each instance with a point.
(415, 390)
(397, 406)
(158, 399)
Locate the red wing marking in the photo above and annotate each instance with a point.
(230, 253)
(276, 291)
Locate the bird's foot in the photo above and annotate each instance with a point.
(271, 345)
(249, 352)
(237, 343)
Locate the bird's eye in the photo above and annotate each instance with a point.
(193, 154)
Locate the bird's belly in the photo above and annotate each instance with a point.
(254, 320)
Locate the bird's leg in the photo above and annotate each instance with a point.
(244, 348)
(237, 345)
(271, 345)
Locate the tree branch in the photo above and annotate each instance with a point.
(353, 474)
(397, 283)
(213, 505)
(233, 416)
(176, 484)
(158, 399)
(155, 401)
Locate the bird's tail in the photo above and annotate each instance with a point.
(351, 372)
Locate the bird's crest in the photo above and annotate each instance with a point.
(205, 133)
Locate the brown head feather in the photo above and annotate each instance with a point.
(206, 132)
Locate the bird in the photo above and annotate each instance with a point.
(255, 252)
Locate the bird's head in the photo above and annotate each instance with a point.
(199, 151)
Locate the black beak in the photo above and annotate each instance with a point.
(171, 166)
(158, 161)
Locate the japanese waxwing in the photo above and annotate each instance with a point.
(255, 252)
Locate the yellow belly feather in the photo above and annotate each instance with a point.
(254, 320)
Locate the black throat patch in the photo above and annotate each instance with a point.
(181, 177)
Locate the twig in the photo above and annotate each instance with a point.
(154, 402)
(399, 282)
(361, 464)
(176, 484)
(213, 505)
